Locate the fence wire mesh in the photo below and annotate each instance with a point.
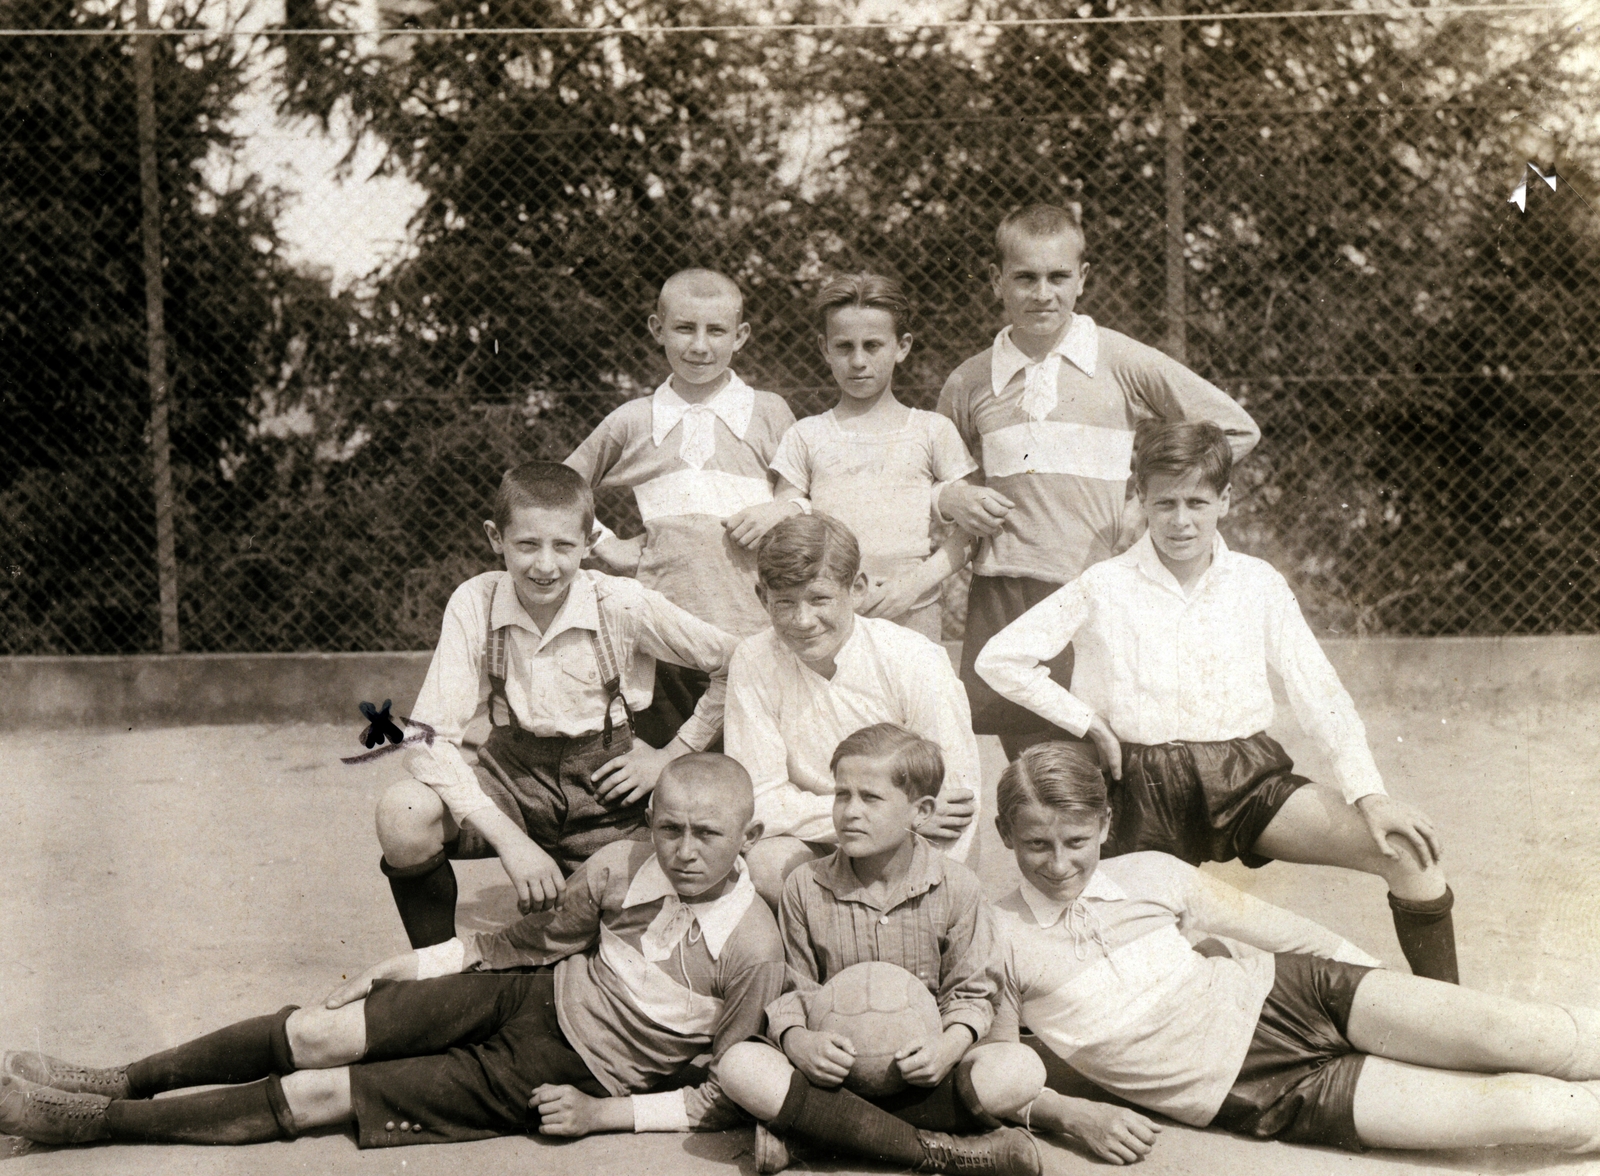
(1310, 210)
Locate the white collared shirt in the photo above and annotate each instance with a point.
(1079, 344)
(733, 404)
(784, 720)
(1113, 987)
(1161, 666)
(553, 680)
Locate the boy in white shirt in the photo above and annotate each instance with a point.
(820, 673)
(1174, 639)
(561, 659)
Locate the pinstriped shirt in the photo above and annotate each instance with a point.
(934, 924)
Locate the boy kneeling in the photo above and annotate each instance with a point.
(1174, 639)
(661, 951)
(886, 895)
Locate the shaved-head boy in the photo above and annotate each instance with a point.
(661, 951)
(695, 453)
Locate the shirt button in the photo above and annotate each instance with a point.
(884, 920)
(389, 1126)
(404, 1126)
(416, 1126)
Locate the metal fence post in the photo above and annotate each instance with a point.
(156, 327)
(1172, 121)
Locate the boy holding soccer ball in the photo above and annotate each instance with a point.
(886, 895)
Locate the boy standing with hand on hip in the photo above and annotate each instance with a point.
(1049, 411)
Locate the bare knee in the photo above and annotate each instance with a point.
(1005, 1076)
(320, 1038)
(411, 823)
(755, 1076)
(1557, 1114)
(318, 1098)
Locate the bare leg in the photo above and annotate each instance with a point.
(771, 860)
(755, 1076)
(1428, 1023)
(413, 824)
(1005, 1077)
(319, 1098)
(1405, 1106)
(320, 1038)
(1315, 827)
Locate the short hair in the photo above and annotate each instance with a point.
(1175, 448)
(548, 485)
(872, 291)
(916, 765)
(701, 283)
(1058, 775)
(709, 768)
(1039, 220)
(803, 548)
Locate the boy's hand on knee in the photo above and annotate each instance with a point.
(1108, 745)
(746, 527)
(1118, 1134)
(977, 510)
(952, 816)
(620, 557)
(564, 1110)
(1387, 817)
(824, 1058)
(632, 775)
(534, 875)
(400, 967)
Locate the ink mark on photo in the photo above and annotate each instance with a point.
(381, 727)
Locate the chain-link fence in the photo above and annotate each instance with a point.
(1310, 210)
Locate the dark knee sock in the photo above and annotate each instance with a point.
(847, 1123)
(235, 1114)
(1427, 935)
(243, 1052)
(425, 895)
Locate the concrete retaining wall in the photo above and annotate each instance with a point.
(209, 688)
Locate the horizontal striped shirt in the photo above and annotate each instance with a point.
(1065, 460)
(688, 556)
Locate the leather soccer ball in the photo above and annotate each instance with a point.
(882, 1009)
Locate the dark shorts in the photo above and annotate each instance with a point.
(1202, 802)
(456, 1058)
(677, 690)
(543, 785)
(1298, 1082)
(993, 602)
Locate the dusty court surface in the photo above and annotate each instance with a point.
(158, 884)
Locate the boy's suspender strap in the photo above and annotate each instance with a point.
(496, 652)
(605, 654)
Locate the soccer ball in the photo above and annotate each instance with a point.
(882, 1009)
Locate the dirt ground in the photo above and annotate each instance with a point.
(158, 884)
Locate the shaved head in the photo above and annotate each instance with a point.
(709, 774)
(699, 283)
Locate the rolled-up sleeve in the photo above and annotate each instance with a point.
(453, 694)
(1013, 660)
